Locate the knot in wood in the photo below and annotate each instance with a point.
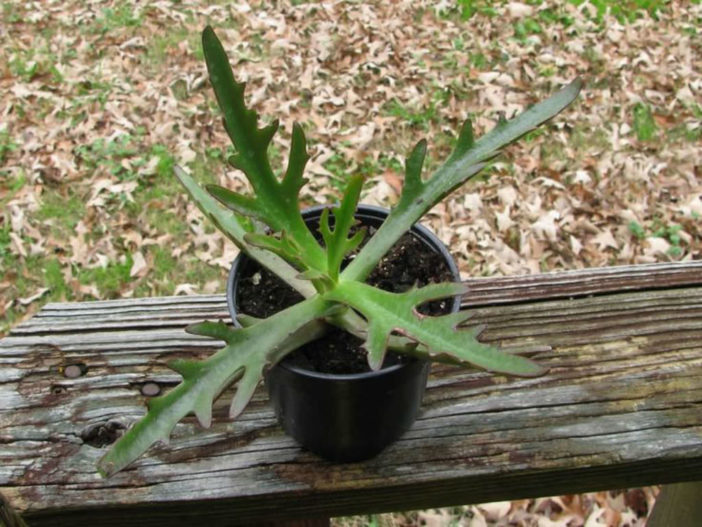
(102, 434)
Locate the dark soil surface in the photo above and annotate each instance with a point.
(409, 262)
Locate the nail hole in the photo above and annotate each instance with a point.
(150, 389)
(73, 371)
(102, 434)
(57, 389)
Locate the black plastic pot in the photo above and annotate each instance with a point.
(351, 417)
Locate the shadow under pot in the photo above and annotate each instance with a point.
(323, 393)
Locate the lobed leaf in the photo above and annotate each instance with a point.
(469, 158)
(240, 122)
(275, 202)
(413, 185)
(466, 141)
(247, 353)
(294, 179)
(337, 241)
(387, 312)
(236, 231)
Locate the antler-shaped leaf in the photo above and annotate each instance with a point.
(275, 202)
(247, 353)
(337, 241)
(387, 312)
(467, 160)
(232, 227)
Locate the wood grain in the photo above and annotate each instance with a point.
(621, 406)
(582, 282)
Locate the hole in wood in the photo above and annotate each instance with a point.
(102, 434)
(57, 389)
(73, 371)
(150, 389)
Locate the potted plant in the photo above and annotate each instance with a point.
(269, 228)
(324, 393)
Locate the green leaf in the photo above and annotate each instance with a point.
(644, 124)
(413, 171)
(214, 330)
(235, 201)
(467, 160)
(337, 242)
(294, 180)
(236, 231)
(282, 245)
(241, 122)
(465, 140)
(387, 312)
(275, 202)
(234, 228)
(247, 353)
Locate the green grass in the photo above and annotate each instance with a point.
(122, 157)
(468, 8)
(166, 161)
(54, 280)
(551, 16)
(685, 132)
(584, 141)
(109, 155)
(526, 27)
(637, 230)
(670, 232)
(62, 211)
(643, 124)
(659, 229)
(688, 132)
(11, 12)
(89, 91)
(46, 272)
(5, 242)
(421, 117)
(110, 19)
(623, 10)
(164, 263)
(159, 46)
(479, 60)
(111, 279)
(37, 62)
(341, 168)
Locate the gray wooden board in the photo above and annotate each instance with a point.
(621, 406)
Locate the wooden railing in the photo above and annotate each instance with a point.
(621, 406)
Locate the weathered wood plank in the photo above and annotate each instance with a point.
(582, 282)
(168, 311)
(621, 406)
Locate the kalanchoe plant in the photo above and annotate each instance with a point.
(269, 228)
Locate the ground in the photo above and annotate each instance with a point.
(98, 101)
